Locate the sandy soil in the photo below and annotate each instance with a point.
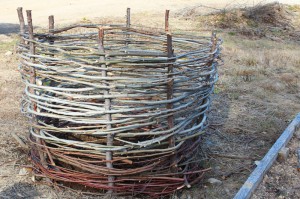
(72, 10)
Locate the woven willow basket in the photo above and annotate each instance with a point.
(117, 108)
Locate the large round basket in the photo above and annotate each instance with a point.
(117, 108)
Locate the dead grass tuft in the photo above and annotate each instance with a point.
(272, 86)
(273, 20)
(247, 74)
(262, 20)
(289, 79)
(294, 8)
(274, 14)
(250, 61)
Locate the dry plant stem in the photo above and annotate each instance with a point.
(48, 153)
(33, 78)
(110, 137)
(238, 169)
(232, 156)
(19, 140)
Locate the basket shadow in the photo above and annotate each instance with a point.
(20, 190)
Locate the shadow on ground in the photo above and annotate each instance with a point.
(9, 28)
(20, 190)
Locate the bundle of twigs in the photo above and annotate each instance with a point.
(117, 108)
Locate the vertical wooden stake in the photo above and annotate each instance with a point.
(210, 62)
(51, 23)
(214, 42)
(33, 79)
(107, 104)
(22, 24)
(30, 32)
(51, 27)
(167, 20)
(170, 85)
(128, 18)
(213, 48)
(21, 20)
(127, 26)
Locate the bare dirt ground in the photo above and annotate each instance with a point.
(255, 99)
(283, 179)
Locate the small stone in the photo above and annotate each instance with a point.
(175, 196)
(217, 168)
(227, 191)
(39, 82)
(23, 172)
(214, 181)
(283, 154)
(297, 134)
(8, 53)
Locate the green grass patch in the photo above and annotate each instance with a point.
(294, 8)
(8, 46)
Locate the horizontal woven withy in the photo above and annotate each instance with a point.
(118, 108)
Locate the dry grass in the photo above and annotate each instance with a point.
(256, 97)
(274, 20)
